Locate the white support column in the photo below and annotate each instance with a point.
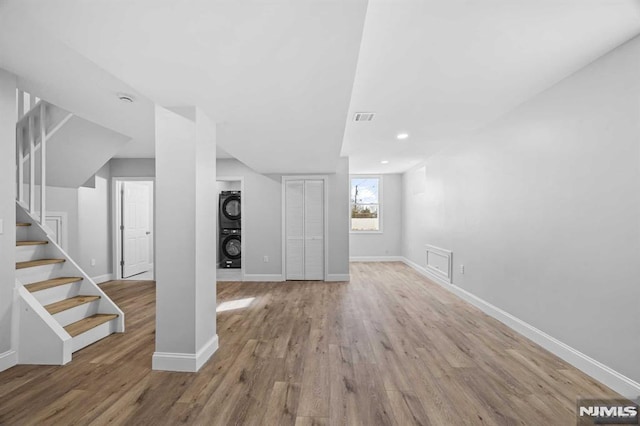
(185, 241)
(8, 118)
(43, 165)
(32, 167)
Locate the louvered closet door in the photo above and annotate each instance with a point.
(313, 230)
(294, 229)
(304, 229)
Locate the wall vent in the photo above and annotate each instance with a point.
(363, 116)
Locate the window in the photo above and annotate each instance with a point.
(366, 214)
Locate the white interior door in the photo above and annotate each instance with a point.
(313, 230)
(304, 229)
(136, 228)
(294, 223)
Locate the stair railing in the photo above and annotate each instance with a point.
(30, 124)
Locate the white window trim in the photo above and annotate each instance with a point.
(380, 204)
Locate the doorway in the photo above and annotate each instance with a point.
(133, 228)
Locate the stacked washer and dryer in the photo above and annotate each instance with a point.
(229, 219)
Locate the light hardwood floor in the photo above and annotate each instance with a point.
(388, 348)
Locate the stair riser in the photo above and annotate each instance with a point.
(22, 233)
(72, 315)
(93, 335)
(56, 294)
(40, 273)
(24, 253)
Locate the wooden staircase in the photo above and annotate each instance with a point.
(59, 309)
(72, 303)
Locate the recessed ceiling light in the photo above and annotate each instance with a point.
(125, 97)
(402, 136)
(384, 162)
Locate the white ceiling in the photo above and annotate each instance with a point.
(275, 75)
(439, 68)
(278, 75)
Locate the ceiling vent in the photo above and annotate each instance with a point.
(363, 116)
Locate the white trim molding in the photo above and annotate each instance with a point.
(338, 277)
(8, 359)
(442, 273)
(185, 362)
(376, 259)
(102, 278)
(604, 374)
(264, 277)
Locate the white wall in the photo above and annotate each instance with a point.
(387, 243)
(8, 117)
(94, 225)
(262, 211)
(543, 209)
(261, 214)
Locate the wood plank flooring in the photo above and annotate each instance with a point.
(388, 348)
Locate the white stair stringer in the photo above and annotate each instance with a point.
(42, 337)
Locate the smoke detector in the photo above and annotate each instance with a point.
(363, 116)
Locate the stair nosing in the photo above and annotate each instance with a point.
(111, 317)
(46, 262)
(52, 308)
(23, 224)
(31, 243)
(55, 282)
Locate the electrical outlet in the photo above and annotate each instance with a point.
(93, 262)
(265, 259)
(462, 269)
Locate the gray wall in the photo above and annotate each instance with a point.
(387, 243)
(262, 212)
(132, 167)
(89, 213)
(94, 225)
(8, 118)
(543, 209)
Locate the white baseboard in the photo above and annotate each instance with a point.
(102, 278)
(264, 277)
(608, 376)
(376, 259)
(8, 359)
(184, 362)
(338, 277)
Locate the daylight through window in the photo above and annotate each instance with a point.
(365, 204)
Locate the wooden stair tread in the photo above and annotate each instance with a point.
(23, 224)
(30, 243)
(72, 302)
(43, 285)
(39, 262)
(88, 323)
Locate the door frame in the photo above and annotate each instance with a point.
(325, 201)
(115, 223)
(243, 258)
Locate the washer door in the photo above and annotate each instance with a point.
(231, 207)
(231, 247)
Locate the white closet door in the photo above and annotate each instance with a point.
(313, 230)
(294, 231)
